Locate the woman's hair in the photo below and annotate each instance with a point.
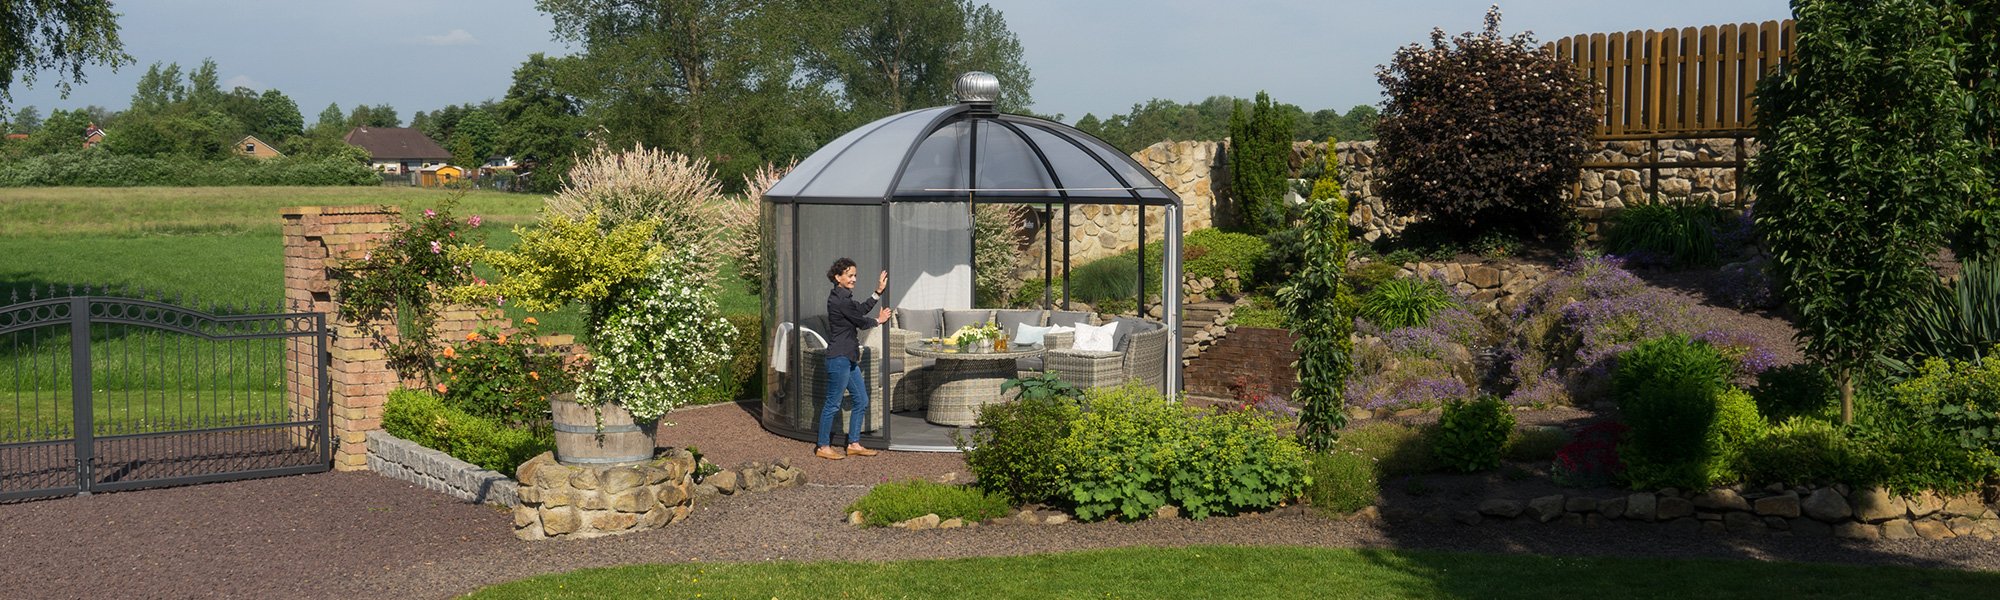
(839, 266)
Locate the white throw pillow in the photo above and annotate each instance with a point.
(1095, 337)
(1027, 334)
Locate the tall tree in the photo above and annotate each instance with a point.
(281, 118)
(205, 86)
(543, 125)
(62, 132)
(1260, 152)
(890, 56)
(1864, 160)
(1314, 302)
(331, 117)
(26, 119)
(62, 36)
(380, 115)
(668, 69)
(159, 88)
(475, 140)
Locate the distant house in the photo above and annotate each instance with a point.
(398, 150)
(255, 148)
(92, 135)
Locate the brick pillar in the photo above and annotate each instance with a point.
(316, 239)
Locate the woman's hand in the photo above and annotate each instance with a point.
(884, 317)
(882, 283)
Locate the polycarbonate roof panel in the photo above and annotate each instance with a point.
(950, 149)
(862, 163)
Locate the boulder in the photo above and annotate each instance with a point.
(951, 523)
(1546, 508)
(856, 519)
(1673, 507)
(1055, 519)
(1167, 512)
(1721, 499)
(1934, 530)
(1857, 531)
(1964, 505)
(1876, 505)
(1613, 508)
(723, 481)
(1643, 506)
(1962, 525)
(1924, 504)
(1898, 529)
(1782, 505)
(1500, 507)
(1827, 505)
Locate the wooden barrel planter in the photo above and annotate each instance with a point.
(579, 441)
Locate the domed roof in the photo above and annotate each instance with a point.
(956, 152)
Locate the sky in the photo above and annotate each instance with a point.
(1087, 56)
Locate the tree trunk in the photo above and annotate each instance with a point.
(1847, 396)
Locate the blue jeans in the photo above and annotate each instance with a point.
(842, 375)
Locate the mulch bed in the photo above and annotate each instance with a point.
(351, 535)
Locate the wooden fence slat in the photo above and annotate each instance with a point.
(1711, 79)
(1611, 53)
(1634, 81)
(1689, 92)
(1729, 105)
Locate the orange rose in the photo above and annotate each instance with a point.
(535, 376)
(531, 321)
(472, 336)
(450, 352)
(503, 338)
(440, 388)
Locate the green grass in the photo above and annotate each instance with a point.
(1232, 572)
(153, 211)
(29, 415)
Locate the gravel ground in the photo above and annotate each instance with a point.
(360, 535)
(354, 535)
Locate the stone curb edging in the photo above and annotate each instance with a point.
(404, 460)
(1838, 511)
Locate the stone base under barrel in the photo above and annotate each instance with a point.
(585, 501)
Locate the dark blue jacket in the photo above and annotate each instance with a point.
(845, 317)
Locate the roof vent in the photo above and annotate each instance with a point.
(977, 87)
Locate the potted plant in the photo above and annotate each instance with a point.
(971, 337)
(631, 240)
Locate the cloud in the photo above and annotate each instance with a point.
(455, 37)
(242, 81)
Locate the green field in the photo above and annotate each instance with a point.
(1279, 572)
(218, 246)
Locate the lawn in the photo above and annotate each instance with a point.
(218, 246)
(1232, 572)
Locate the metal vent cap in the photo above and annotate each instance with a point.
(977, 87)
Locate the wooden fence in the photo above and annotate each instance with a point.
(1687, 82)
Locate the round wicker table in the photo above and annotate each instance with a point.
(966, 381)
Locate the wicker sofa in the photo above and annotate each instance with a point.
(1139, 351)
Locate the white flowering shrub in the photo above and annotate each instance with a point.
(658, 342)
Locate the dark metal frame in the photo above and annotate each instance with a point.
(159, 449)
(973, 197)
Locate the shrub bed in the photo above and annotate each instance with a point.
(892, 503)
(424, 418)
(103, 169)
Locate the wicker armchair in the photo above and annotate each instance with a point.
(1141, 356)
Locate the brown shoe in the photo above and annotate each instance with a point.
(827, 452)
(855, 450)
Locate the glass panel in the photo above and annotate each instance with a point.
(826, 233)
(795, 182)
(1006, 162)
(940, 163)
(868, 165)
(932, 243)
(1076, 169)
(781, 387)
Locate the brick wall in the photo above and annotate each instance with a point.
(1256, 353)
(317, 240)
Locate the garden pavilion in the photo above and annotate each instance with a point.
(898, 195)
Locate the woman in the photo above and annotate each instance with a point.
(845, 319)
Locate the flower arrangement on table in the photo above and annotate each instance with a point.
(632, 239)
(972, 334)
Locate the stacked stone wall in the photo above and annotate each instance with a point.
(1198, 172)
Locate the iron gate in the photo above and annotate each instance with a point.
(102, 393)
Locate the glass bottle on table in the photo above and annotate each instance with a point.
(1001, 345)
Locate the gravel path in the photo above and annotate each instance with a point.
(360, 535)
